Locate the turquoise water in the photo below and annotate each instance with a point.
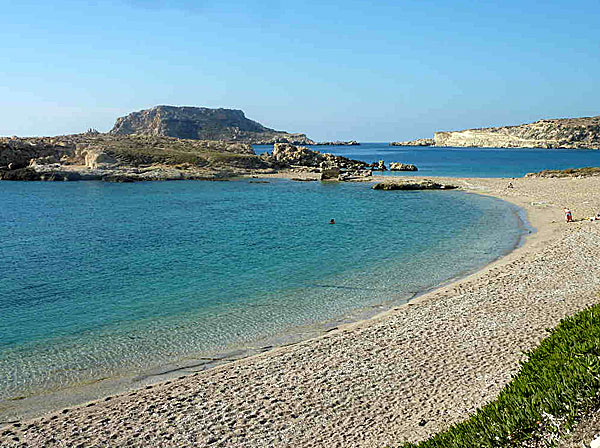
(466, 162)
(99, 278)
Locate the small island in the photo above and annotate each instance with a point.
(339, 143)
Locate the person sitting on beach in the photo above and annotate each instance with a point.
(568, 215)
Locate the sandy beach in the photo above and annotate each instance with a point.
(401, 376)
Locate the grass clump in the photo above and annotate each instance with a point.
(558, 383)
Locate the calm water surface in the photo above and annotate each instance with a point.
(99, 278)
(466, 162)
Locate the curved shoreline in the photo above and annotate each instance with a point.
(373, 382)
(40, 402)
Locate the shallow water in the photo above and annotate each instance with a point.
(100, 278)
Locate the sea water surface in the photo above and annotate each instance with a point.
(465, 162)
(98, 279)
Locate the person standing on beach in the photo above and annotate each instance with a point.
(568, 215)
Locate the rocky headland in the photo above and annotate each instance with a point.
(128, 158)
(202, 123)
(567, 133)
(96, 156)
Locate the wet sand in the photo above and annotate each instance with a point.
(403, 375)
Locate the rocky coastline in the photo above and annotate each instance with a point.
(559, 133)
(130, 158)
(95, 156)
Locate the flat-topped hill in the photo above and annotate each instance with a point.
(551, 133)
(202, 123)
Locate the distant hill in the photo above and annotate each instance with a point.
(553, 133)
(201, 123)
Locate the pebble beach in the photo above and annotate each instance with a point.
(403, 375)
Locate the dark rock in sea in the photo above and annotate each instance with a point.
(397, 166)
(330, 174)
(202, 123)
(118, 178)
(378, 166)
(20, 174)
(412, 185)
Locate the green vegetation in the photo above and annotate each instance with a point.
(558, 383)
(140, 150)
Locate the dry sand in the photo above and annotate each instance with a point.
(403, 375)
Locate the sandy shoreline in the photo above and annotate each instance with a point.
(403, 375)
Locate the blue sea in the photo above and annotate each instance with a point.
(465, 162)
(99, 279)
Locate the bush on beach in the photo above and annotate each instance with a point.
(557, 384)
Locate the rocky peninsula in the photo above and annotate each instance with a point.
(202, 123)
(128, 158)
(95, 156)
(567, 133)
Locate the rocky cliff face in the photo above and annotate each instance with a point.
(201, 123)
(555, 133)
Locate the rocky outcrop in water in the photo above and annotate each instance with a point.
(554, 133)
(377, 166)
(340, 143)
(417, 142)
(202, 123)
(397, 166)
(286, 155)
(412, 185)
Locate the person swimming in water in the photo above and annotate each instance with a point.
(332, 221)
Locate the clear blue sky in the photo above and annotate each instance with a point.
(367, 70)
